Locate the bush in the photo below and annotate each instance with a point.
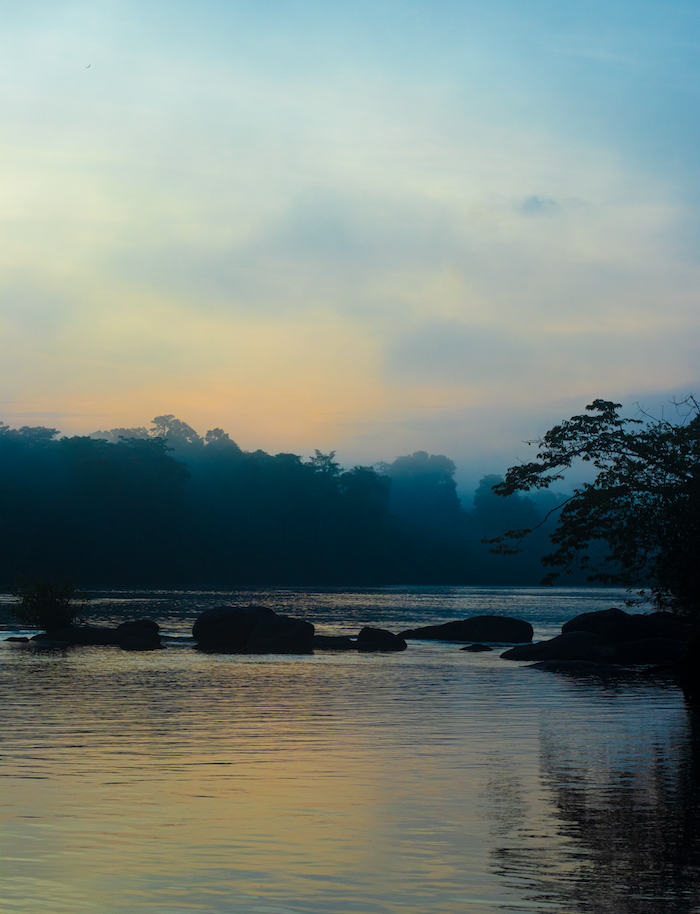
(47, 605)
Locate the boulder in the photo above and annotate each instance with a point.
(618, 626)
(251, 629)
(281, 635)
(140, 630)
(477, 628)
(20, 639)
(476, 648)
(650, 650)
(379, 639)
(141, 625)
(571, 646)
(228, 628)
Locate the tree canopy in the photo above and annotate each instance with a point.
(164, 506)
(637, 523)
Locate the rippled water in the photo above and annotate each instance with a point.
(432, 780)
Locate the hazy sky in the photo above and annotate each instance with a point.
(368, 226)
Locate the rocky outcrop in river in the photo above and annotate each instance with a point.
(612, 636)
(502, 629)
(139, 635)
(251, 630)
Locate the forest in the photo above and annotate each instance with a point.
(166, 507)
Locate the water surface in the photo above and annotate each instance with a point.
(430, 780)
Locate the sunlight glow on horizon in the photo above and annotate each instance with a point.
(312, 240)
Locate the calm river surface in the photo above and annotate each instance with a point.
(431, 780)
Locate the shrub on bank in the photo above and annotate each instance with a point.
(48, 605)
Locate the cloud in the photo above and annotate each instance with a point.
(323, 247)
(338, 221)
(538, 206)
(498, 366)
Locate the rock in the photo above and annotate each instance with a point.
(333, 643)
(80, 634)
(145, 625)
(379, 639)
(475, 648)
(19, 639)
(140, 630)
(369, 639)
(228, 628)
(650, 650)
(137, 643)
(574, 667)
(570, 646)
(281, 635)
(477, 628)
(688, 670)
(252, 629)
(617, 626)
(50, 643)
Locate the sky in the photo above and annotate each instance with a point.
(369, 227)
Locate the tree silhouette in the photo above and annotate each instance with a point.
(637, 523)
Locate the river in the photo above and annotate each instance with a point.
(432, 780)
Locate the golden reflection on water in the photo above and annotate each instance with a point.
(424, 781)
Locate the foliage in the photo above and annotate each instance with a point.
(47, 605)
(494, 513)
(177, 432)
(637, 523)
(133, 507)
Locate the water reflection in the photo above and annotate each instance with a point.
(615, 825)
(428, 780)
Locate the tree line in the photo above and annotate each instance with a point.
(164, 506)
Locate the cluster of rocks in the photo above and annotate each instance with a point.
(611, 636)
(368, 639)
(260, 630)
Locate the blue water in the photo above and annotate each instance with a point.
(432, 780)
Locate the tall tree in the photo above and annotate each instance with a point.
(638, 523)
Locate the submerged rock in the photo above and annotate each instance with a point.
(333, 643)
(476, 648)
(80, 634)
(101, 635)
(477, 628)
(369, 639)
(138, 643)
(584, 667)
(252, 629)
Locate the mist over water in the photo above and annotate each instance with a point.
(429, 780)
